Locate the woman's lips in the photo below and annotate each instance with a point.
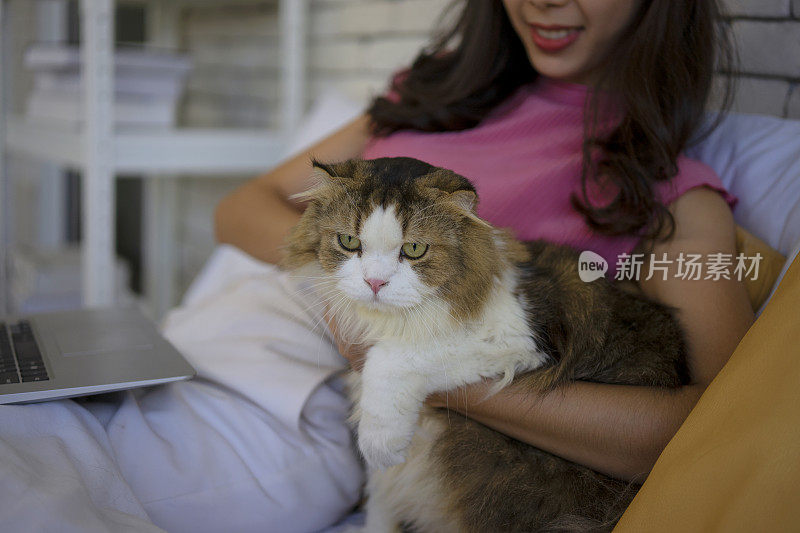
(554, 38)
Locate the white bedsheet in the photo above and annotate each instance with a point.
(58, 473)
(257, 442)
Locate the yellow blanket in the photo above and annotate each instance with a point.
(734, 465)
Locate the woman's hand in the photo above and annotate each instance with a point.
(354, 353)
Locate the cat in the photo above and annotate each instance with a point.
(444, 299)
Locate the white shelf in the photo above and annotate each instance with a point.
(157, 151)
(101, 153)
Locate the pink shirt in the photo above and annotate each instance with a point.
(525, 162)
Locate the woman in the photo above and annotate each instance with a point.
(603, 95)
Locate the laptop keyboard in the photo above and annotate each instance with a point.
(20, 359)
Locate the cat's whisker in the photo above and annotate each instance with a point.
(316, 293)
(314, 281)
(332, 307)
(352, 202)
(316, 309)
(295, 275)
(420, 216)
(428, 207)
(443, 310)
(458, 307)
(321, 296)
(331, 311)
(311, 281)
(317, 316)
(324, 300)
(310, 292)
(320, 289)
(419, 219)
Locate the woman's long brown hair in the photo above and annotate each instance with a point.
(661, 72)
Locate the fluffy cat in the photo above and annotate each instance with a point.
(444, 299)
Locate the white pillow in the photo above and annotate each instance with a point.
(758, 160)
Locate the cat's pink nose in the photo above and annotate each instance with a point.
(376, 284)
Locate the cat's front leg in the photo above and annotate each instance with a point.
(391, 398)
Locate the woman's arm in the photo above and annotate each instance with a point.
(621, 430)
(257, 216)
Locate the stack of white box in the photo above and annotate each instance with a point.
(147, 86)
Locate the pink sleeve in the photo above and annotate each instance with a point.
(692, 174)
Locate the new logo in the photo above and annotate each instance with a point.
(591, 266)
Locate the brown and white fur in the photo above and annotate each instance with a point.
(476, 305)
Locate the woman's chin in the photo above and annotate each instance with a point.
(560, 69)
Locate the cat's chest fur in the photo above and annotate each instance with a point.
(436, 353)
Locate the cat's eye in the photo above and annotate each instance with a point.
(413, 250)
(349, 243)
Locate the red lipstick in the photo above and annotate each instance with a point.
(554, 38)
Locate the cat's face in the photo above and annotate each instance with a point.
(393, 234)
(378, 262)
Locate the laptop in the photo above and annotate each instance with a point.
(77, 353)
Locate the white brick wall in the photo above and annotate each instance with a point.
(762, 96)
(767, 33)
(769, 48)
(356, 44)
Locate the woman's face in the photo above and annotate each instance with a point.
(567, 39)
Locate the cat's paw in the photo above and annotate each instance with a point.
(382, 443)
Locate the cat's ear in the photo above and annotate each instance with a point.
(322, 177)
(466, 200)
